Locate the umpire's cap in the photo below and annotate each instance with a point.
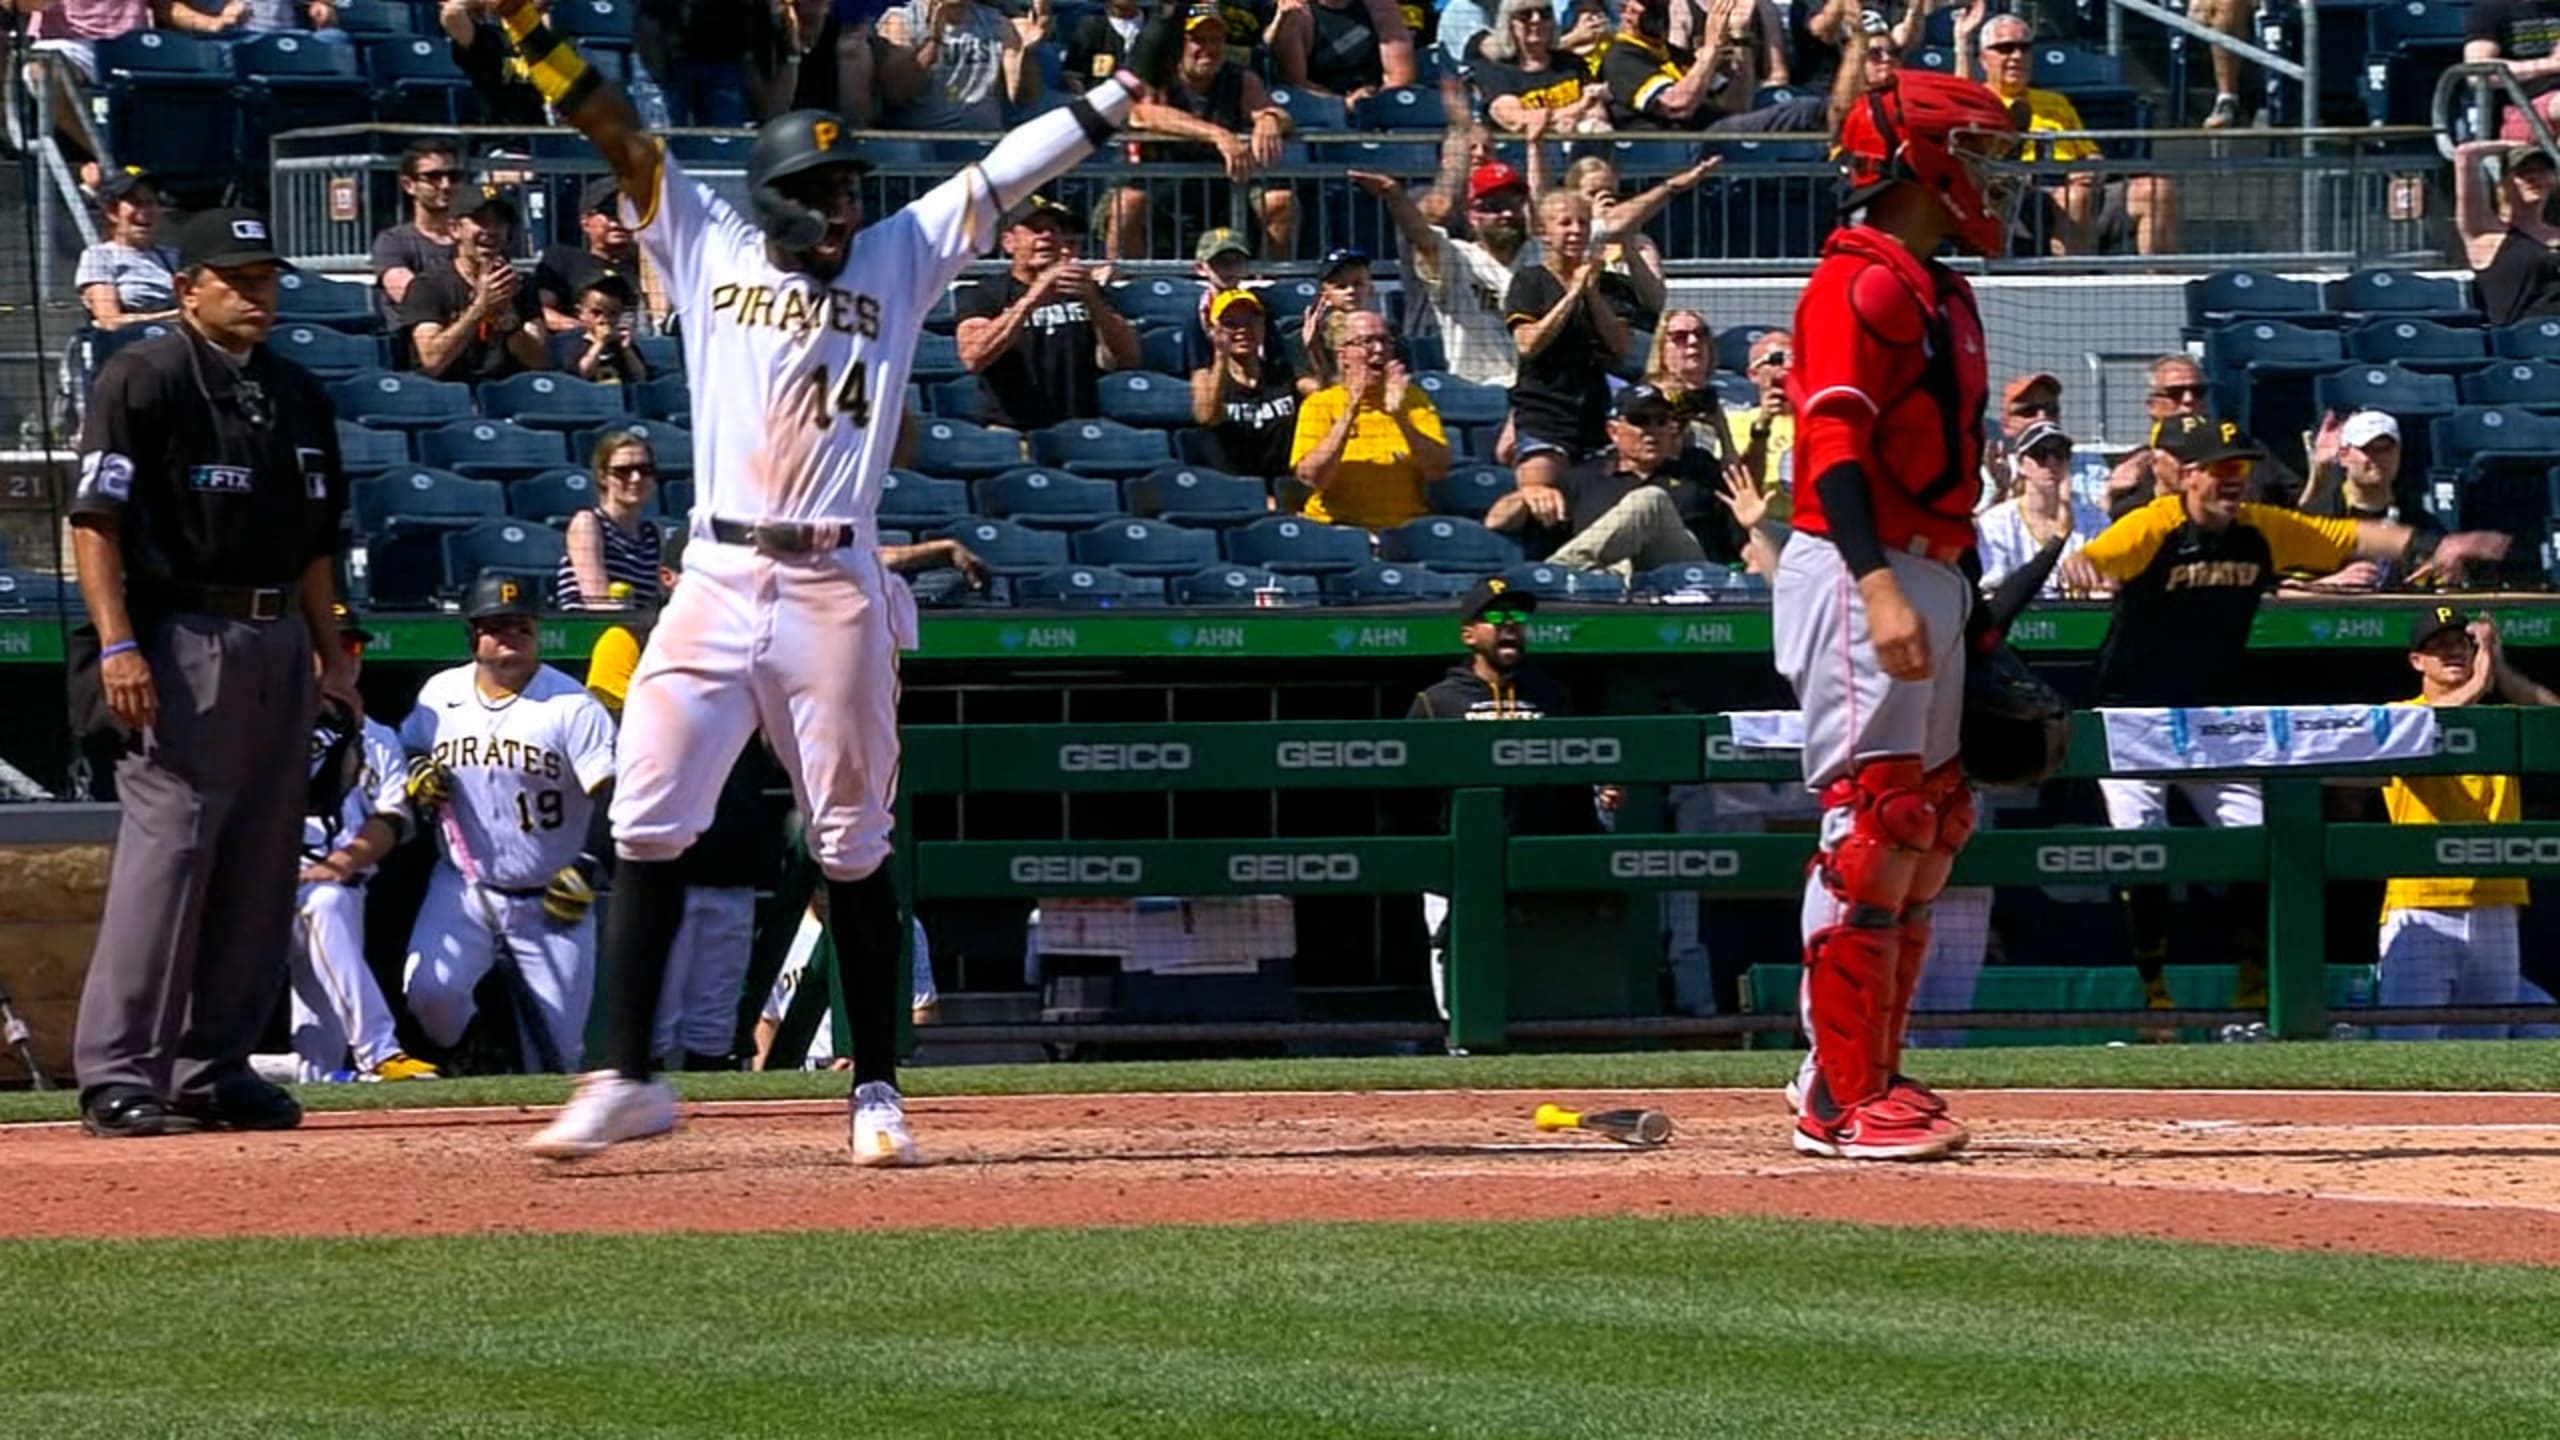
(802, 140)
(494, 593)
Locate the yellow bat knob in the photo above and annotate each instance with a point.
(1556, 1117)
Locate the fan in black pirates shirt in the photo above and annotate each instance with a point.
(1041, 335)
(1564, 316)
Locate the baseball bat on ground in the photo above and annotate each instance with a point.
(1628, 1127)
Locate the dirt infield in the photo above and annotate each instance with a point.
(2451, 1176)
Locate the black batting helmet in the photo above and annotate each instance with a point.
(494, 593)
(789, 145)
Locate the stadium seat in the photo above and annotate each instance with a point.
(1413, 156)
(1424, 353)
(1079, 587)
(1401, 107)
(1688, 578)
(2477, 431)
(1287, 302)
(2228, 295)
(363, 450)
(921, 502)
(1560, 582)
(492, 449)
(328, 354)
(1226, 585)
(1470, 490)
(675, 499)
(944, 317)
(2418, 344)
(511, 546)
(22, 590)
(2533, 384)
(310, 299)
(1309, 112)
(415, 81)
(964, 451)
(664, 354)
(1162, 300)
(2242, 356)
(1449, 542)
(1008, 549)
(592, 21)
(552, 496)
(2527, 340)
(670, 445)
(1385, 582)
(963, 399)
(369, 20)
(545, 401)
(1051, 499)
(1171, 349)
(169, 105)
(1145, 547)
(1464, 402)
(666, 398)
(1733, 347)
(1292, 545)
(401, 400)
(1147, 401)
(2401, 292)
(1102, 448)
(712, 150)
(2400, 393)
(295, 82)
(937, 359)
(1197, 495)
(414, 497)
(2492, 470)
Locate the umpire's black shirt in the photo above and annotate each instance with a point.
(216, 473)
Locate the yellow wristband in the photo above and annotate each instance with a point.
(519, 19)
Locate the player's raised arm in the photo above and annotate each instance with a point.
(582, 96)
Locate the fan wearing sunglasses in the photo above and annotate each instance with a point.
(431, 177)
(2086, 214)
(2177, 389)
(613, 553)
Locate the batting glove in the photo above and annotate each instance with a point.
(569, 896)
(429, 785)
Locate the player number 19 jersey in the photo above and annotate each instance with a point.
(522, 772)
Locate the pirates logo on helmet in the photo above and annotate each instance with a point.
(1933, 131)
(790, 145)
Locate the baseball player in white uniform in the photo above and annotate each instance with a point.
(799, 328)
(509, 762)
(358, 812)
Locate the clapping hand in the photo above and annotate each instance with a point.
(1397, 379)
(1742, 496)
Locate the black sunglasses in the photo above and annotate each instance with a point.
(2008, 47)
(2180, 392)
(644, 471)
(431, 177)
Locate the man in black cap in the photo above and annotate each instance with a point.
(205, 525)
(1647, 500)
(476, 321)
(1041, 335)
(605, 248)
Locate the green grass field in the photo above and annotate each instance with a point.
(2321, 1065)
(1587, 1328)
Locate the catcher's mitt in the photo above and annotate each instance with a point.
(2016, 727)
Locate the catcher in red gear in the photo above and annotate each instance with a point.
(1875, 588)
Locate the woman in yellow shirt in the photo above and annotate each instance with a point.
(1370, 444)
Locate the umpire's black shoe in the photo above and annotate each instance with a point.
(123, 1112)
(242, 1102)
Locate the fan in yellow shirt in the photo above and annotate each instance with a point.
(2453, 940)
(1369, 445)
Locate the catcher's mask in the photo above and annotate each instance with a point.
(1945, 136)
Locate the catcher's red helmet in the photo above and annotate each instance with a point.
(1933, 130)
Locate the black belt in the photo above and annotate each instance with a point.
(783, 537)
(232, 602)
(514, 892)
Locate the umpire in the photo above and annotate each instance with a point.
(204, 526)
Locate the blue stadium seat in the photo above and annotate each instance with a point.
(1147, 401)
(1102, 448)
(368, 20)
(1470, 490)
(1050, 499)
(2408, 45)
(100, 346)
(1008, 549)
(509, 546)
(667, 397)
(1385, 582)
(944, 317)
(2532, 384)
(34, 590)
(1197, 495)
(1170, 349)
(670, 445)
(963, 399)
(1733, 347)
(401, 400)
(1087, 587)
(966, 452)
(1735, 392)
(1464, 402)
(1560, 582)
(552, 496)
(1401, 107)
(2527, 340)
(545, 401)
(2475, 431)
(663, 354)
(1162, 300)
(1292, 545)
(1145, 547)
(2228, 295)
(921, 502)
(169, 104)
(675, 499)
(492, 449)
(1424, 353)
(363, 450)
(937, 359)
(2416, 343)
(412, 497)
(295, 82)
(709, 150)
(328, 354)
(1449, 542)
(309, 299)
(2403, 394)
(1226, 585)
(1689, 578)
(1286, 302)
(1310, 112)
(415, 81)
(2401, 292)
(2239, 357)
(592, 21)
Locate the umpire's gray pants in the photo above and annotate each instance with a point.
(199, 917)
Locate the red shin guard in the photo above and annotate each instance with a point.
(1953, 801)
(1854, 964)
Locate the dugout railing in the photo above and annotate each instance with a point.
(2294, 855)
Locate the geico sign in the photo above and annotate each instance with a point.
(1339, 754)
(1089, 759)
(1077, 869)
(1293, 869)
(2100, 859)
(2487, 850)
(1674, 864)
(1566, 751)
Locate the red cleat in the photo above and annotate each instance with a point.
(1916, 1095)
(1883, 1128)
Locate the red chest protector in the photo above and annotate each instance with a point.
(1890, 376)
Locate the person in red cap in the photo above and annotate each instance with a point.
(1464, 281)
(1873, 593)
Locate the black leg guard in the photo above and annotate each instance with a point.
(862, 916)
(696, 1060)
(639, 929)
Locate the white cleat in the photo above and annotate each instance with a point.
(608, 1109)
(880, 1126)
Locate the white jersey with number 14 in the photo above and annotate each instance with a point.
(798, 382)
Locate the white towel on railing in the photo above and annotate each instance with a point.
(1767, 729)
(2252, 736)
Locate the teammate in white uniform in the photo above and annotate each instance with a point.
(509, 761)
(799, 332)
(359, 812)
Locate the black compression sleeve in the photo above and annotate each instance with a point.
(1849, 509)
(1096, 129)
